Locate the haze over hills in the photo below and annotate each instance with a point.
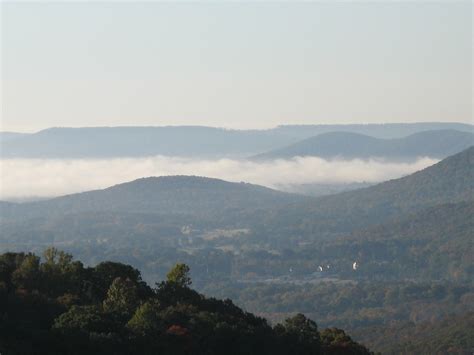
(451, 180)
(148, 146)
(377, 130)
(5, 136)
(411, 240)
(189, 141)
(273, 218)
(347, 145)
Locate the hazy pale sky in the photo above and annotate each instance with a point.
(234, 64)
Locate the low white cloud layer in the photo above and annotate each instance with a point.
(23, 178)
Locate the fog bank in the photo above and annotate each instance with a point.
(23, 178)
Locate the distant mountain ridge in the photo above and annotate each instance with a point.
(347, 145)
(5, 136)
(377, 130)
(186, 141)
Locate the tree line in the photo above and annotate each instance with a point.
(56, 305)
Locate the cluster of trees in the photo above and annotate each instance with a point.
(55, 305)
(391, 317)
(451, 335)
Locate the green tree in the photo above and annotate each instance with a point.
(122, 296)
(302, 332)
(83, 319)
(27, 275)
(305, 327)
(179, 275)
(106, 272)
(56, 258)
(147, 320)
(9, 262)
(336, 341)
(60, 273)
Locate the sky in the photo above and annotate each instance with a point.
(234, 64)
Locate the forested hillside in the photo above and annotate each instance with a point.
(435, 243)
(451, 180)
(57, 306)
(451, 335)
(391, 317)
(195, 196)
(397, 255)
(243, 228)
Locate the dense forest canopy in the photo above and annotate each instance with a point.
(55, 305)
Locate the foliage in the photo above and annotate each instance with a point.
(179, 275)
(336, 341)
(146, 320)
(453, 334)
(303, 332)
(122, 296)
(379, 314)
(75, 317)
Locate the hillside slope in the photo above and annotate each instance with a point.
(269, 214)
(232, 230)
(167, 195)
(433, 244)
(347, 145)
(45, 310)
(451, 180)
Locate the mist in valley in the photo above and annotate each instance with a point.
(40, 178)
(236, 177)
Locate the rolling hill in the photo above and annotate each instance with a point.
(277, 216)
(155, 212)
(168, 195)
(378, 130)
(347, 145)
(189, 141)
(215, 222)
(451, 180)
(432, 244)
